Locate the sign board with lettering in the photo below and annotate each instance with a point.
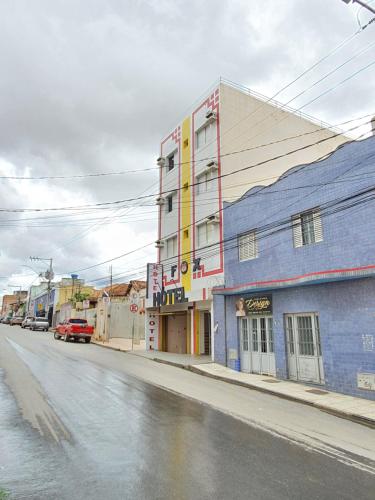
(154, 282)
(254, 305)
(86, 304)
(152, 330)
(170, 297)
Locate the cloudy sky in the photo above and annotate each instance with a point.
(91, 86)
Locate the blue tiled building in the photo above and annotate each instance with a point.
(299, 294)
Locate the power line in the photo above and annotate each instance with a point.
(331, 207)
(165, 237)
(117, 202)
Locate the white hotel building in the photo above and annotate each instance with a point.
(205, 161)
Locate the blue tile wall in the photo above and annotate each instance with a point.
(346, 308)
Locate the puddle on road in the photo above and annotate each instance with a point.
(29, 395)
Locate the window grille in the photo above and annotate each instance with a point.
(245, 335)
(247, 246)
(290, 334)
(305, 336)
(270, 335)
(255, 334)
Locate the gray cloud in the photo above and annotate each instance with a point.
(93, 86)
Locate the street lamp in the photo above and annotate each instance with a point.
(363, 4)
(29, 267)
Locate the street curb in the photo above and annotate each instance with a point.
(348, 416)
(108, 347)
(170, 363)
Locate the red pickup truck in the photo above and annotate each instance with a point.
(74, 328)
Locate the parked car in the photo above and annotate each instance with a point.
(39, 324)
(74, 328)
(27, 321)
(16, 320)
(6, 320)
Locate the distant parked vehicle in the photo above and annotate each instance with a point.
(39, 324)
(16, 320)
(6, 320)
(27, 321)
(74, 328)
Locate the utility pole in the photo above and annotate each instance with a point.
(111, 276)
(363, 4)
(49, 275)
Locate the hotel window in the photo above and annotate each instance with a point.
(307, 228)
(247, 246)
(172, 246)
(171, 161)
(204, 135)
(205, 234)
(205, 182)
(169, 205)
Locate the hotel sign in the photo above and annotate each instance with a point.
(254, 305)
(170, 297)
(154, 282)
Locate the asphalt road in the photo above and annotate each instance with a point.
(75, 423)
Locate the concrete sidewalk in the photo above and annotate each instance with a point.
(357, 409)
(179, 360)
(120, 344)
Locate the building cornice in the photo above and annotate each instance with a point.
(313, 278)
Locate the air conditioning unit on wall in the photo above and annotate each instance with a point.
(211, 115)
(213, 219)
(160, 201)
(212, 165)
(160, 161)
(159, 243)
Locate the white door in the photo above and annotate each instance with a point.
(260, 357)
(305, 361)
(262, 346)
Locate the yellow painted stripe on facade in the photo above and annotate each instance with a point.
(186, 202)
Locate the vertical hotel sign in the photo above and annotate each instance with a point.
(154, 285)
(154, 282)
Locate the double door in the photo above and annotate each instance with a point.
(305, 361)
(257, 345)
(176, 333)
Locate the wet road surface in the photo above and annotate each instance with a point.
(72, 427)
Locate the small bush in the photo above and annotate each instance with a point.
(4, 495)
